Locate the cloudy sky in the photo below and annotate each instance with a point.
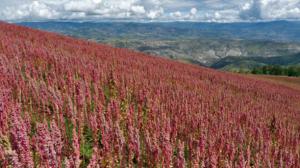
(157, 10)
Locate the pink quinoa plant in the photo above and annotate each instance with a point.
(73, 103)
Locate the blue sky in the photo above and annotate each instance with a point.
(156, 10)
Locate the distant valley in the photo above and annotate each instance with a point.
(208, 51)
(216, 45)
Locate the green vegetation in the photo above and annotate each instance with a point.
(277, 70)
(237, 64)
(86, 146)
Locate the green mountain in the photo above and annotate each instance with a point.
(234, 63)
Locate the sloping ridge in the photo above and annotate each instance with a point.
(72, 102)
(252, 62)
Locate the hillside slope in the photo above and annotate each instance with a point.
(231, 62)
(292, 82)
(72, 103)
(198, 43)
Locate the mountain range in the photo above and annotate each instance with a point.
(206, 44)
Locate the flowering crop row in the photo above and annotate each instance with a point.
(73, 103)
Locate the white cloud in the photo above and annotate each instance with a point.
(35, 9)
(247, 6)
(221, 16)
(176, 14)
(82, 6)
(271, 9)
(251, 10)
(70, 9)
(200, 10)
(155, 13)
(138, 9)
(193, 11)
(280, 9)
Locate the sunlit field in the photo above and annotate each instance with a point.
(72, 103)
